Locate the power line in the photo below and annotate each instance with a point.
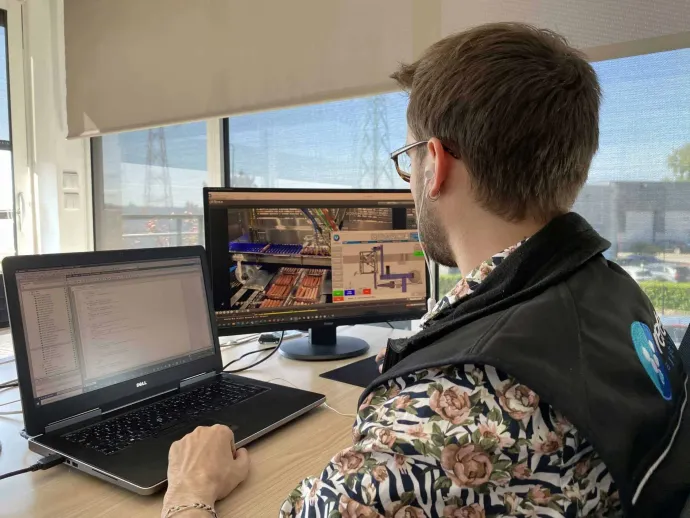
(375, 168)
(158, 187)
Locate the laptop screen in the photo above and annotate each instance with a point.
(89, 327)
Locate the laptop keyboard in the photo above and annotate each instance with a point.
(116, 434)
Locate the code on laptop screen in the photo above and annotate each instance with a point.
(90, 327)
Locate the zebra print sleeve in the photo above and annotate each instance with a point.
(465, 442)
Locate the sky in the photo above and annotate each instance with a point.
(645, 115)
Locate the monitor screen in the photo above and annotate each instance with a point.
(89, 327)
(297, 259)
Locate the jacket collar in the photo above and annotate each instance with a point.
(547, 258)
(468, 284)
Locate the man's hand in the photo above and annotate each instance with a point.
(204, 467)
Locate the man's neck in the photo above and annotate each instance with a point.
(486, 237)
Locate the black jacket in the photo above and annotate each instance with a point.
(577, 330)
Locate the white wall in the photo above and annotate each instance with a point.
(60, 229)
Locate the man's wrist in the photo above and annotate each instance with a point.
(186, 496)
(188, 512)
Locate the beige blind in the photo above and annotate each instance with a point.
(605, 29)
(141, 63)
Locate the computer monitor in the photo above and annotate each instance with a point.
(313, 259)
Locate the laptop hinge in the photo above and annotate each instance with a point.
(138, 401)
(62, 423)
(197, 378)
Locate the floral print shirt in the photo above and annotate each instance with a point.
(459, 442)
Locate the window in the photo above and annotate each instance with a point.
(342, 144)
(148, 187)
(7, 229)
(147, 184)
(638, 193)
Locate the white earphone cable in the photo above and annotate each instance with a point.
(431, 301)
(324, 404)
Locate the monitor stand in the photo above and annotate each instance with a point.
(323, 344)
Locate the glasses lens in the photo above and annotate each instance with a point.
(405, 164)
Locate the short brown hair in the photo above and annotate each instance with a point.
(518, 105)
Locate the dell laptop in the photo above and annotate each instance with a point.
(118, 357)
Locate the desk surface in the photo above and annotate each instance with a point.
(279, 461)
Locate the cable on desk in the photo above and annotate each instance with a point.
(240, 340)
(249, 354)
(391, 325)
(43, 464)
(329, 407)
(265, 349)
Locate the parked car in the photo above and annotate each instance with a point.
(677, 247)
(638, 260)
(668, 272)
(655, 271)
(639, 273)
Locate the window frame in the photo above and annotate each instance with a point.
(225, 151)
(6, 145)
(19, 101)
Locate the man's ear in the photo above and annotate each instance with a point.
(440, 164)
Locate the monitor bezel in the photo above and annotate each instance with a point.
(38, 417)
(411, 314)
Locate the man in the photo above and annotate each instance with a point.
(543, 384)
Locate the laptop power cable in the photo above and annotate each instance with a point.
(271, 351)
(45, 463)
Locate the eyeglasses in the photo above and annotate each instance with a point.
(403, 161)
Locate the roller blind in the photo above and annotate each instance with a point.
(141, 63)
(605, 29)
(133, 64)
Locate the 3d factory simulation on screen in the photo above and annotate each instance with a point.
(322, 257)
(370, 265)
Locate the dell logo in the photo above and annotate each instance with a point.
(141, 384)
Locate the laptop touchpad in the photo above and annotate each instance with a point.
(182, 429)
